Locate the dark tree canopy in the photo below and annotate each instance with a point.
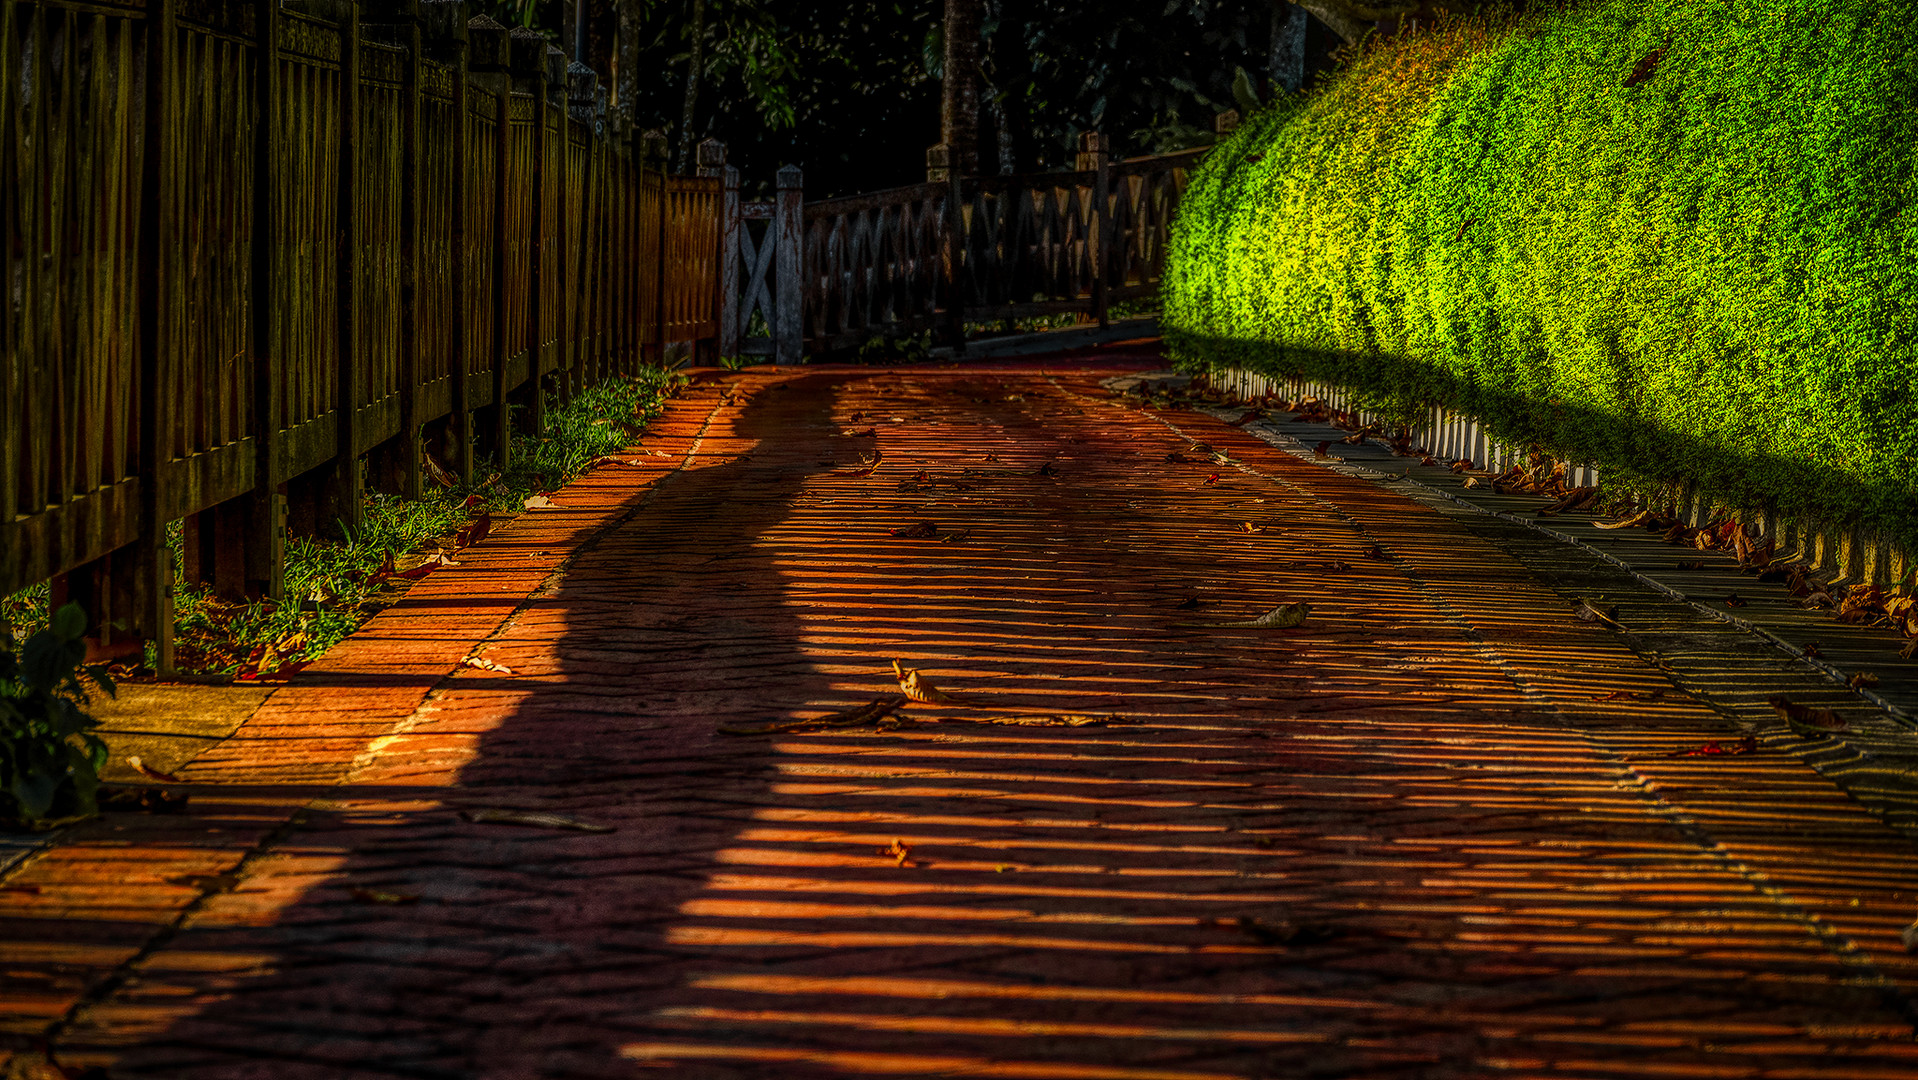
(850, 91)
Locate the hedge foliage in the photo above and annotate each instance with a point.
(1706, 276)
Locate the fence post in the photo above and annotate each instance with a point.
(144, 575)
(656, 150)
(710, 155)
(527, 60)
(443, 28)
(488, 57)
(729, 266)
(582, 94)
(403, 16)
(788, 224)
(342, 497)
(939, 170)
(265, 511)
(1095, 157)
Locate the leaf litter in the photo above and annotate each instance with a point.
(1281, 617)
(1804, 720)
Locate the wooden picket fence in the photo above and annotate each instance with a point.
(253, 244)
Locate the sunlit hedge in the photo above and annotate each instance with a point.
(1708, 275)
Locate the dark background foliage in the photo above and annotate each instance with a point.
(850, 91)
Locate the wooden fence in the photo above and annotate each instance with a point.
(252, 245)
(979, 248)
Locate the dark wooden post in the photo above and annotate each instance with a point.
(656, 150)
(443, 37)
(343, 497)
(1095, 157)
(729, 297)
(582, 93)
(144, 575)
(489, 54)
(710, 155)
(265, 512)
(789, 234)
(939, 170)
(529, 76)
(399, 22)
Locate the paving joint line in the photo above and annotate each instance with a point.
(1836, 942)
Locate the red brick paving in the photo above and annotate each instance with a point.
(1516, 881)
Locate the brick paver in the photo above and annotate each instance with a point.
(1495, 871)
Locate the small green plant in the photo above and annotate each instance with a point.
(735, 363)
(50, 758)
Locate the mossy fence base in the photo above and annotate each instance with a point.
(1853, 554)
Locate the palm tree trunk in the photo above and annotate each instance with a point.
(959, 101)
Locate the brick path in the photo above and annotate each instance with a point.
(1497, 874)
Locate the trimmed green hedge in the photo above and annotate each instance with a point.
(1707, 276)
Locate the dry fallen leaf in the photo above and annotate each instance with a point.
(1590, 612)
(486, 665)
(150, 772)
(1813, 651)
(1633, 521)
(1646, 67)
(1806, 721)
(1248, 526)
(1734, 600)
(382, 896)
(1050, 720)
(538, 819)
(916, 687)
(1862, 679)
(901, 853)
(1376, 552)
(435, 471)
(1720, 748)
(1213, 479)
(539, 502)
(924, 530)
(1322, 452)
(1285, 615)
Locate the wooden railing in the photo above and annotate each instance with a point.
(979, 248)
(254, 247)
